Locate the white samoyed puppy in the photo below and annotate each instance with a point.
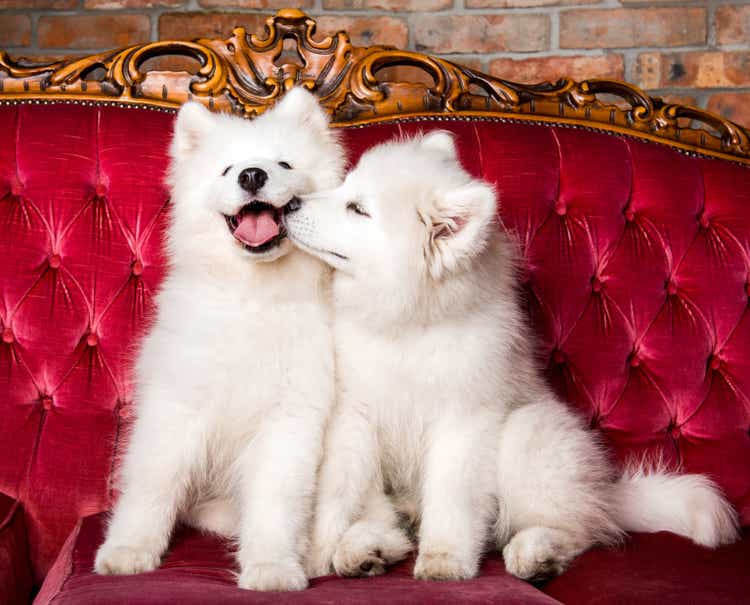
(235, 379)
(442, 414)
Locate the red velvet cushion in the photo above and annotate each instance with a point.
(657, 568)
(199, 570)
(636, 278)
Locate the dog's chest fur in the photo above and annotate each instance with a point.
(230, 347)
(407, 381)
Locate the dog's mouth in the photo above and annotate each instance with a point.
(258, 226)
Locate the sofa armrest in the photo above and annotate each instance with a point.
(16, 581)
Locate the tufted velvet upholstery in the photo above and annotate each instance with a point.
(637, 276)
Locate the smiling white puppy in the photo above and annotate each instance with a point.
(440, 403)
(235, 379)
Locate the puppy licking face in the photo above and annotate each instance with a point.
(232, 178)
(407, 213)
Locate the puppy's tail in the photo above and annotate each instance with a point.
(689, 505)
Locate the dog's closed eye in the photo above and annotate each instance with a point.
(357, 209)
(285, 165)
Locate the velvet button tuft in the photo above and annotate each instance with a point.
(671, 288)
(55, 261)
(596, 284)
(137, 268)
(92, 339)
(558, 356)
(714, 362)
(561, 209)
(16, 186)
(635, 361)
(704, 221)
(629, 215)
(46, 402)
(8, 336)
(100, 190)
(674, 431)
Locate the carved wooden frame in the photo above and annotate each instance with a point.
(246, 73)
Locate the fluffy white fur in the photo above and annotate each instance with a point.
(440, 405)
(235, 379)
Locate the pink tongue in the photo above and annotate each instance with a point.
(257, 228)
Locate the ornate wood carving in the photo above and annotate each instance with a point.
(246, 73)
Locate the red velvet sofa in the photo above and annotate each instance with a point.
(636, 233)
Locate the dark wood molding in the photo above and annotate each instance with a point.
(246, 73)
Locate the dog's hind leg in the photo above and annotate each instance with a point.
(374, 542)
(539, 553)
(556, 488)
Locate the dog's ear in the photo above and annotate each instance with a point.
(193, 123)
(459, 224)
(440, 141)
(301, 105)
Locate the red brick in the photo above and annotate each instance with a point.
(474, 63)
(625, 28)
(115, 4)
(92, 31)
(365, 31)
(524, 3)
(552, 68)
(677, 99)
(186, 26)
(733, 24)
(482, 33)
(389, 5)
(255, 3)
(732, 105)
(693, 70)
(38, 4)
(15, 30)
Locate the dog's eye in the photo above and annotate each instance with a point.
(357, 209)
(285, 165)
(227, 169)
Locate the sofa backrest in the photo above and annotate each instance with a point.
(636, 279)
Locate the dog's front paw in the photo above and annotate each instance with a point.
(125, 560)
(443, 566)
(367, 549)
(537, 553)
(281, 576)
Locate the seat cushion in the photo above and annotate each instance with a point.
(199, 569)
(657, 568)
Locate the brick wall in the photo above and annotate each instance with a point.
(696, 51)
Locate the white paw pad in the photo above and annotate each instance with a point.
(272, 577)
(369, 550)
(125, 560)
(535, 555)
(443, 566)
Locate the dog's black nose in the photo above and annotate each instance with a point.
(252, 179)
(294, 204)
